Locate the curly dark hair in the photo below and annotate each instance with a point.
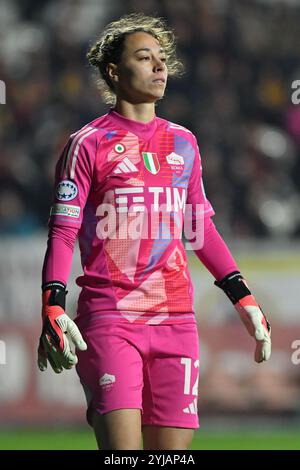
(109, 47)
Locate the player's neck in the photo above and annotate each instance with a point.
(143, 112)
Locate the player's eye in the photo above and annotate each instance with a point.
(144, 58)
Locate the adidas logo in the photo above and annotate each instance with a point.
(126, 166)
(192, 408)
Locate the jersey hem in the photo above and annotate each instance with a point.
(144, 318)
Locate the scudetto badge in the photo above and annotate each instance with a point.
(66, 190)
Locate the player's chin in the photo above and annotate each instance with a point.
(156, 95)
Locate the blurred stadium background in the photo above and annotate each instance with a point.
(241, 59)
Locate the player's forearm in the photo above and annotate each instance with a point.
(215, 254)
(58, 257)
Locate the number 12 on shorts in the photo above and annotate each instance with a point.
(187, 362)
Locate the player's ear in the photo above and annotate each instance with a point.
(112, 72)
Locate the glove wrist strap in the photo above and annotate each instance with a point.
(53, 285)
(234, 286)
(54, 293)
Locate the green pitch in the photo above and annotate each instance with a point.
(206, 440)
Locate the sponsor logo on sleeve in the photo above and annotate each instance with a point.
(66, 190)
(65, 210)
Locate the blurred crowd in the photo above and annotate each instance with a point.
(241, 59)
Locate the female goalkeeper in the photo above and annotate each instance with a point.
(127, 185)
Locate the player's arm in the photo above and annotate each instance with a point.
(72, 185)
(216, 256)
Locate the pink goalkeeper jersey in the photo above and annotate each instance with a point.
(126, 186)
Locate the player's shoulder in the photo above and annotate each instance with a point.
(90, 132)
(176, 128)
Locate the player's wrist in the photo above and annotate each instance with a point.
(53, 298)
(236, 289)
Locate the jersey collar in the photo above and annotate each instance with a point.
(144, 130)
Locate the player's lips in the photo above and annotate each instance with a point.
(159, 80)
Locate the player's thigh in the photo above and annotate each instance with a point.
(167, 438)
(111, 370)
(170, 391)
(118, 429)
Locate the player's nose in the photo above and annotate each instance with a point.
(158, 65)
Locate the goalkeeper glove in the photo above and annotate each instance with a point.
(250, 313)
(54, 344)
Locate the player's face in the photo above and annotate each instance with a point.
(142, 72)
